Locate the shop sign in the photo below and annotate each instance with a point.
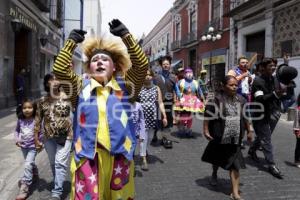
(17, 13)
(214, 60)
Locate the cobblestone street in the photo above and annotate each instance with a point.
(176, 173)
(179, 173)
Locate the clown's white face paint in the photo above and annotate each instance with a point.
(102, 68)
(189, 75)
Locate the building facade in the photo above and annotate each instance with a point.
(268, 28)
(30, 36)
(92, 17)
(73, 19)
(158, 42)
(201, 36)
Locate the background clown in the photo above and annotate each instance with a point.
(189, 94)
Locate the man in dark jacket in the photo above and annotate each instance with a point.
(266, 115)
(166, 82)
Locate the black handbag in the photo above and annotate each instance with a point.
(61, 137)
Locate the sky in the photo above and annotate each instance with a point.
(139, 16)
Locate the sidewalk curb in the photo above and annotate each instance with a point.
(7, 111)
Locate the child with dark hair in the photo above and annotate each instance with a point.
(24, 136)
(140, 131)
(297, 133)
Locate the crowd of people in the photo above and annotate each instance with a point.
(97, 121)
(243, 100)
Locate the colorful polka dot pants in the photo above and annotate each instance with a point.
(104, 178)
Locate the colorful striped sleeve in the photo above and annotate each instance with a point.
(71, 82)
(135, 76)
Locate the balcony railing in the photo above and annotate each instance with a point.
(216, 24)
(189, 38)
(43, 5)
(175, 45)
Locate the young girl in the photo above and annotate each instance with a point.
(24, 136)
(150, 97)
(297, 133)
(140, 131)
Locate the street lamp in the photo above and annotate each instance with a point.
(212, 35)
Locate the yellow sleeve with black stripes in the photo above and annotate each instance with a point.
(135, 76)
(70, 81)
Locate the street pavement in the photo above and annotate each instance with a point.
(176, 173)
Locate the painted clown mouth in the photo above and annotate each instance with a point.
(101, 69)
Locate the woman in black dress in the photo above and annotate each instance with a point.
(224, 125)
